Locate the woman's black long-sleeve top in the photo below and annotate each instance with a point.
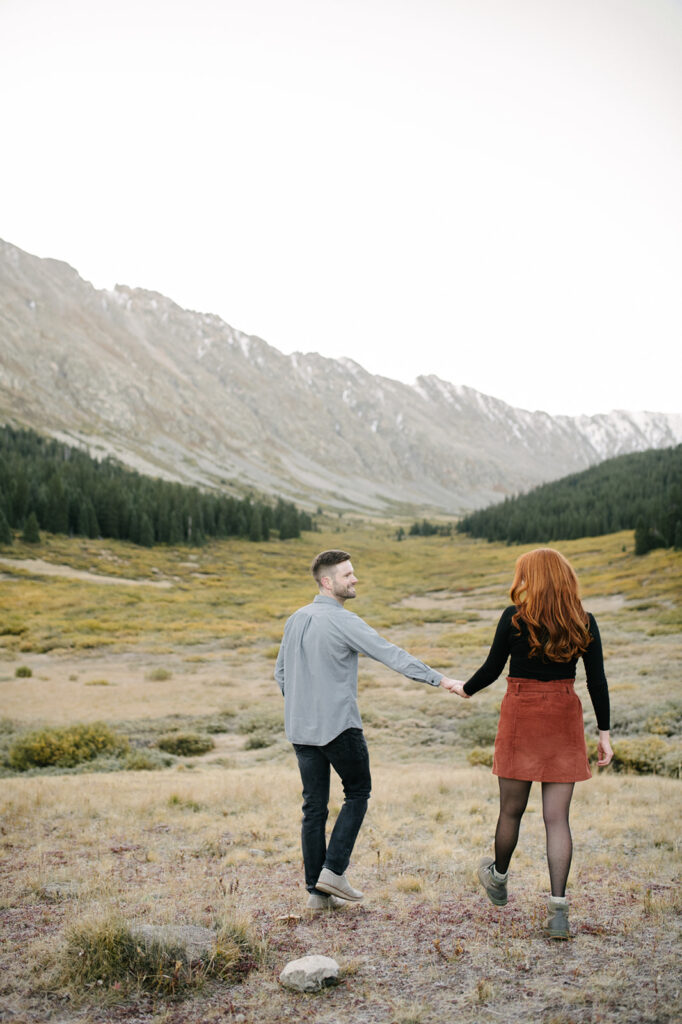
(510, 642)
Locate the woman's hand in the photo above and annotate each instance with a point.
(458, 688)
(604, 748)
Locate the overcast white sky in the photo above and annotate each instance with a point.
(488, 190)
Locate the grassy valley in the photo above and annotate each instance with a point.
(175, 641)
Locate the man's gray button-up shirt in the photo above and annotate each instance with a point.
(317, 669)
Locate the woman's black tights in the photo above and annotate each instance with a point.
(556, 803)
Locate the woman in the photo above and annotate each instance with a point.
(540, 735)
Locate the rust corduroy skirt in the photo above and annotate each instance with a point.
(540, 735)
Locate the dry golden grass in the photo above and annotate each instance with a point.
(192, 846)
(217, 835)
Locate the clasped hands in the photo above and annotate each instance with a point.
(454, 686)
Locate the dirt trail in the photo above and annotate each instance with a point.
(41, 568)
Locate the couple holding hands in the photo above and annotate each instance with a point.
(540, 735)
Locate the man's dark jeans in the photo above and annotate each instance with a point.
(347, 754)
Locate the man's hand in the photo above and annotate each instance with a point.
(454, 686)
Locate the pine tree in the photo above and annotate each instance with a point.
(289, 527)
(31, 534)
(266, 520)
(176, 533)
(5, 532)
(255, 528)
(87, 519)
(641, 538)
(146, 531)
(19, 498)
(57, 512)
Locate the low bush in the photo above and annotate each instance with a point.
(260, 720)
(665, 722)
(23, 672)
(481, 755)
(65, 747)
(641, 754)
(145, 761)
(13, 627)
(479, 728)
(661, 719)
(258, 740)
(114, 955)
(185, 744)
(159, 675)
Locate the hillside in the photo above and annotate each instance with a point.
(643, 489)
(183, 395)
(46, 484)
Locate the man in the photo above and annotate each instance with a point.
(317, 672)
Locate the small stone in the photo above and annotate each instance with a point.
(310, 973)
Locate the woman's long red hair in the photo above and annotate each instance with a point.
(545, 592)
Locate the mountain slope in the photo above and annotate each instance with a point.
(184, 395)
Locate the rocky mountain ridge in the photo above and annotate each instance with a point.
(183, 395)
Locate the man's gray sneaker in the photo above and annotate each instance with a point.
(556, 925)
(497, 891)
(323, 901)
(337, 885)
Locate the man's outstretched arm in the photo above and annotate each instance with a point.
(364, 639)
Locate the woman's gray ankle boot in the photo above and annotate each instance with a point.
(556, 925)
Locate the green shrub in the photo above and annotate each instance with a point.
(224, 722)
(145, 761)
(479, 728)
(185, 744)
(13, 627)
(662, 719)
(158, 675)
(641, 754)
(672, 762)
(186, 805)
(66, 747)
(665, 723)
(258, 740)
(23, 672)
(481, 755)
(260, 720)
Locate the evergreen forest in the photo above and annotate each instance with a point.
(48, 485)
(640, 491)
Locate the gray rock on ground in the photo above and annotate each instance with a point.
(59, 890)
(198, 943)
(310, 973)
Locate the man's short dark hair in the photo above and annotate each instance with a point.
(325, 560)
